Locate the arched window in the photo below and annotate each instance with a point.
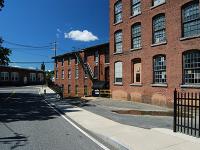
(118, 12)
(159, 69)
(118, 41)
(118, 72)
(159, 33)
(135, 7)
(191, 19)
(136, 36)
(136, 71)
(191, 67)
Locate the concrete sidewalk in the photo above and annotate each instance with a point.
(133, 138)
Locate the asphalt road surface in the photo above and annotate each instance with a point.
(28, 123)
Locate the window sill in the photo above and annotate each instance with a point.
(190, 86)
(135, 84)
(118, 84)
(158, 44)
(132, 16)
(155, 6)
(159, 85)
(107, 63)
(136, 49)
(189, 37)
(117, 23)
(116, 53)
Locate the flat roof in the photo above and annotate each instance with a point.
(81, 50)
(20, 68)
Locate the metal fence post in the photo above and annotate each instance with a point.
(175, 109)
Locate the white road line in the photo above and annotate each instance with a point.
(83, 132)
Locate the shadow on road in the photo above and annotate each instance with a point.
(24, 107)
(16, 140)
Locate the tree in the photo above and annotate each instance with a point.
(1, 4)
(43, 66)
(4, 54)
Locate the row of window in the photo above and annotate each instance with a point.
(135, 8)
(190, 25)
(96, 73)
(76, 89)
(14, 76)
(96, 59)
(191, 69)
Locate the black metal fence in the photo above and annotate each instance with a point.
(187, 113)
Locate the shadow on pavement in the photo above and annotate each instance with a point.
(24, 107)
(16, 140)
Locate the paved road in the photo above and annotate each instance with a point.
(28, 123)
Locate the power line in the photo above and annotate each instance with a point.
(27, 46)
(27, 52)
(47, 62)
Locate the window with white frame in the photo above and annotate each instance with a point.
(118, 41)
(159, 69)
(4, 76)
(159, 33)
(191, 67)
(69, 74)
(136, 36)
(191, 19)
(96, 56)
(14, 76)
(118, 72)
(136, 7)
(118, 12)
(136, 70)
(32, 77)
(158, 2)
(63, 74)
(76, 72)
(40, 77)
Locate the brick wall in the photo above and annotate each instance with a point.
(173, 50)
(81, 81)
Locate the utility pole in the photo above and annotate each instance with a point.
(55, 47)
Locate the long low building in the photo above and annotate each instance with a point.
(15, 76)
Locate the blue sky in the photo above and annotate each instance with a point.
(73, 23)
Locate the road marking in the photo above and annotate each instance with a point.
(78, 128)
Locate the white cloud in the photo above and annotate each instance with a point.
(84, 36)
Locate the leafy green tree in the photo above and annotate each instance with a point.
(1, 4)
(4, 54)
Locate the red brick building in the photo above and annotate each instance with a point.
(14, 76)
(81, 71)
(154, 48)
